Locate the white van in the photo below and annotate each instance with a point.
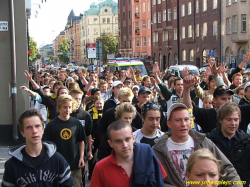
(124, 63)
(177, 69)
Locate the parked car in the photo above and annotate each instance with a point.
(177, 69)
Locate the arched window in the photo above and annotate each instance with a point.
(191, 54)
(183, 55)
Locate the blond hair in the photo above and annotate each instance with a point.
(65, 99)
(124, 107)
(125, 92)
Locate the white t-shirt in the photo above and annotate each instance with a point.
(180, 152)
(141, 138)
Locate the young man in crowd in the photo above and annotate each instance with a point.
(94, 93)
(246, 99)
(143, 97)
(151, 116)
(35, 163)
(103, 89)
(69, 136)
(233, 142)
(127, 161)
(174, 148)
(236, 81)
(135, 90)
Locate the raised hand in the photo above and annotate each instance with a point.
(246, 58)
(188, 81)
(185, 72)
(27, 75)
(24, 88)
(223, 68)
(213, 66)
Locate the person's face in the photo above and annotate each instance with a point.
(135, 92)
(33, 130)
(78, 99)
(143, 98)
(202, 74)
(138, 73)
(237, 81)
(106, 73)
(97, 93)
(110, 84)
(51, 84)
(247, 93)
(122, 73)
(103, 88)
(125, 100)
(212, 85)
(117, 74)
(180, 125)
(207, 104)
(152, 120)
(46, 82)
(127, 117)
(56, 88)
(46, 91)
(75, 78)
(179, 86)
(62, 76)
(62, 92)
(230, 124)
(220, 100)
(241, 93)
(68, 82)
(128, 84)
(139, 82)
(66, 109)
(99, 104)
(147, 82)
(122, 142)
(116, 89)
(204, 170)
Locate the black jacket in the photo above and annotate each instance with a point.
(239, 155)
(110, 103)
(244, 101)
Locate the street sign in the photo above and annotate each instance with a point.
(3, 25)
(69, 53)
(212, 53)
(59, 53)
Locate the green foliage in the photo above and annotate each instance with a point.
(110, 44)
(63, 47)
(51, 58)
(32, 47)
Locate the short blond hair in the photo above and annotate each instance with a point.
(125, 92)
(65, 99)
(124, 107)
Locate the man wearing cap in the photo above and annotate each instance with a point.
(135, 90)
(143, 97)
(207, 118)
(94, 93)
(151, 116)
(113, 100)
(246, 99)
(175, 147)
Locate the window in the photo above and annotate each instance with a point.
(182, 10)
(215, 4)
(215, 27)
(149, 24)
(137, 42)
(169, 14)
(228, 25)
(116, 30)
(228, 2)
(183, 32)
(235, 24)
(204, 29)
(164, 16)
(108, 20)
(155, 17)
(204, 5)
(183, 55)
(165, 35)
(144, 42)
(95, 21)
(103, 20)
(148, 6)
(235, 1)
(116, 20)
(154, 2)
(175, 34)
(159, 17)
(143, 7)
(191, 54)
(197, 6)
(159, 2)
(136, 25)
(144, 24)
(190, 31)
(156, 36)
(149, 41)
(175, 13)
(189, 8)
(95, 31)
(243, 23)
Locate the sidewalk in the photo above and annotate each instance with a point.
(4, 156)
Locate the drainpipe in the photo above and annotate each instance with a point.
(178, 31)
(13, 70)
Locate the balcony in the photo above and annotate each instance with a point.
(137, 31)
(240, 37)
(137, 15)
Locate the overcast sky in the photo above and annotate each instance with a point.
(52, 17)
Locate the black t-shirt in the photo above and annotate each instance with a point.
(66, 135)
(138, 109)
(35, 161)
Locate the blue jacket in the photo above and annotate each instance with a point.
(53, 171)
(146, 168)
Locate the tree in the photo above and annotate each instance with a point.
(110, 44)
(63, 47)
(33, 48)
(51, 58)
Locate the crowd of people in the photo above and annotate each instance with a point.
(120, 129)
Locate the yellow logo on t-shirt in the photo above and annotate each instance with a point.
(66, 134)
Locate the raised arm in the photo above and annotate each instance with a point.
(188, 82)
(29, 78)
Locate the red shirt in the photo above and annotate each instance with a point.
(108, 173)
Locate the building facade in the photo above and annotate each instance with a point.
(235, 31)
(57, 42)
(97, 21)
(185, 32)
